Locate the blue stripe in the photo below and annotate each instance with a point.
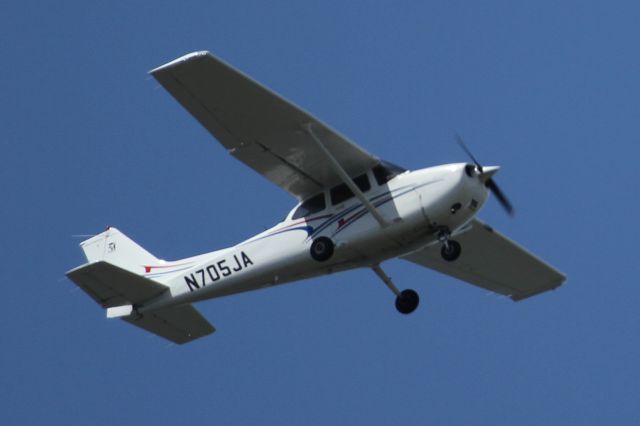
(377, 201)
(364, 211)
(355, 207)
(308, 229)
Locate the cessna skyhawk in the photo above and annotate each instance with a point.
(354, 211)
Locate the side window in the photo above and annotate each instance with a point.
(362, 182)
(384, 172)
(310, 206)
(342, 192)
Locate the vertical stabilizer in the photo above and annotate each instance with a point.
(116, 248)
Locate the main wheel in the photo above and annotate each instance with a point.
(321, 249)
(451, 251)
(407, 301)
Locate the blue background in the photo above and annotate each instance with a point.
(548, 90)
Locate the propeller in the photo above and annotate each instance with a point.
(487, 178)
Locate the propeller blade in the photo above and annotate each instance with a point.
(502, 199)
(465, 149)
(487, 178)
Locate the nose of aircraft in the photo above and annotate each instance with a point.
(485, 177)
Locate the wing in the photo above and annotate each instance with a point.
(492, 261)
(258, 127)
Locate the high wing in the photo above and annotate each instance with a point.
(492, 261)
(112, 286)
(258, 127)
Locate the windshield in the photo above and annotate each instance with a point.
(310, 206)
(386, 171)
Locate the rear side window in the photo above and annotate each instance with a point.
(342, 192)
(310, 206)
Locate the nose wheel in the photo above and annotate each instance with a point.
(406, 300)
(451, 249)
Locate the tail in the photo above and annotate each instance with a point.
(116, 248)
(117, 277)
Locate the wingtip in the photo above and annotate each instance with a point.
(180, 60)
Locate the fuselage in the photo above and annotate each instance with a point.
(416, 205)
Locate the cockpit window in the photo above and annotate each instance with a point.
(342, 192)
(385, 171)
(310, 206)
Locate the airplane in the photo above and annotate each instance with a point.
(354, 210)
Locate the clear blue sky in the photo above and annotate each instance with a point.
(548, 90)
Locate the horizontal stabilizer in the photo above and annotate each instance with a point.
(120, 291)
(180, 324)
(112, 286)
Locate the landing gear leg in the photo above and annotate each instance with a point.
(406, 300)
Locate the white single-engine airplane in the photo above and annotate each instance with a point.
(354, 211)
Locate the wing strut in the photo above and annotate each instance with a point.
(386, 279)
(345, 177)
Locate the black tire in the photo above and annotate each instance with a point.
(452, 252)
(407, 301)
(322, 249)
